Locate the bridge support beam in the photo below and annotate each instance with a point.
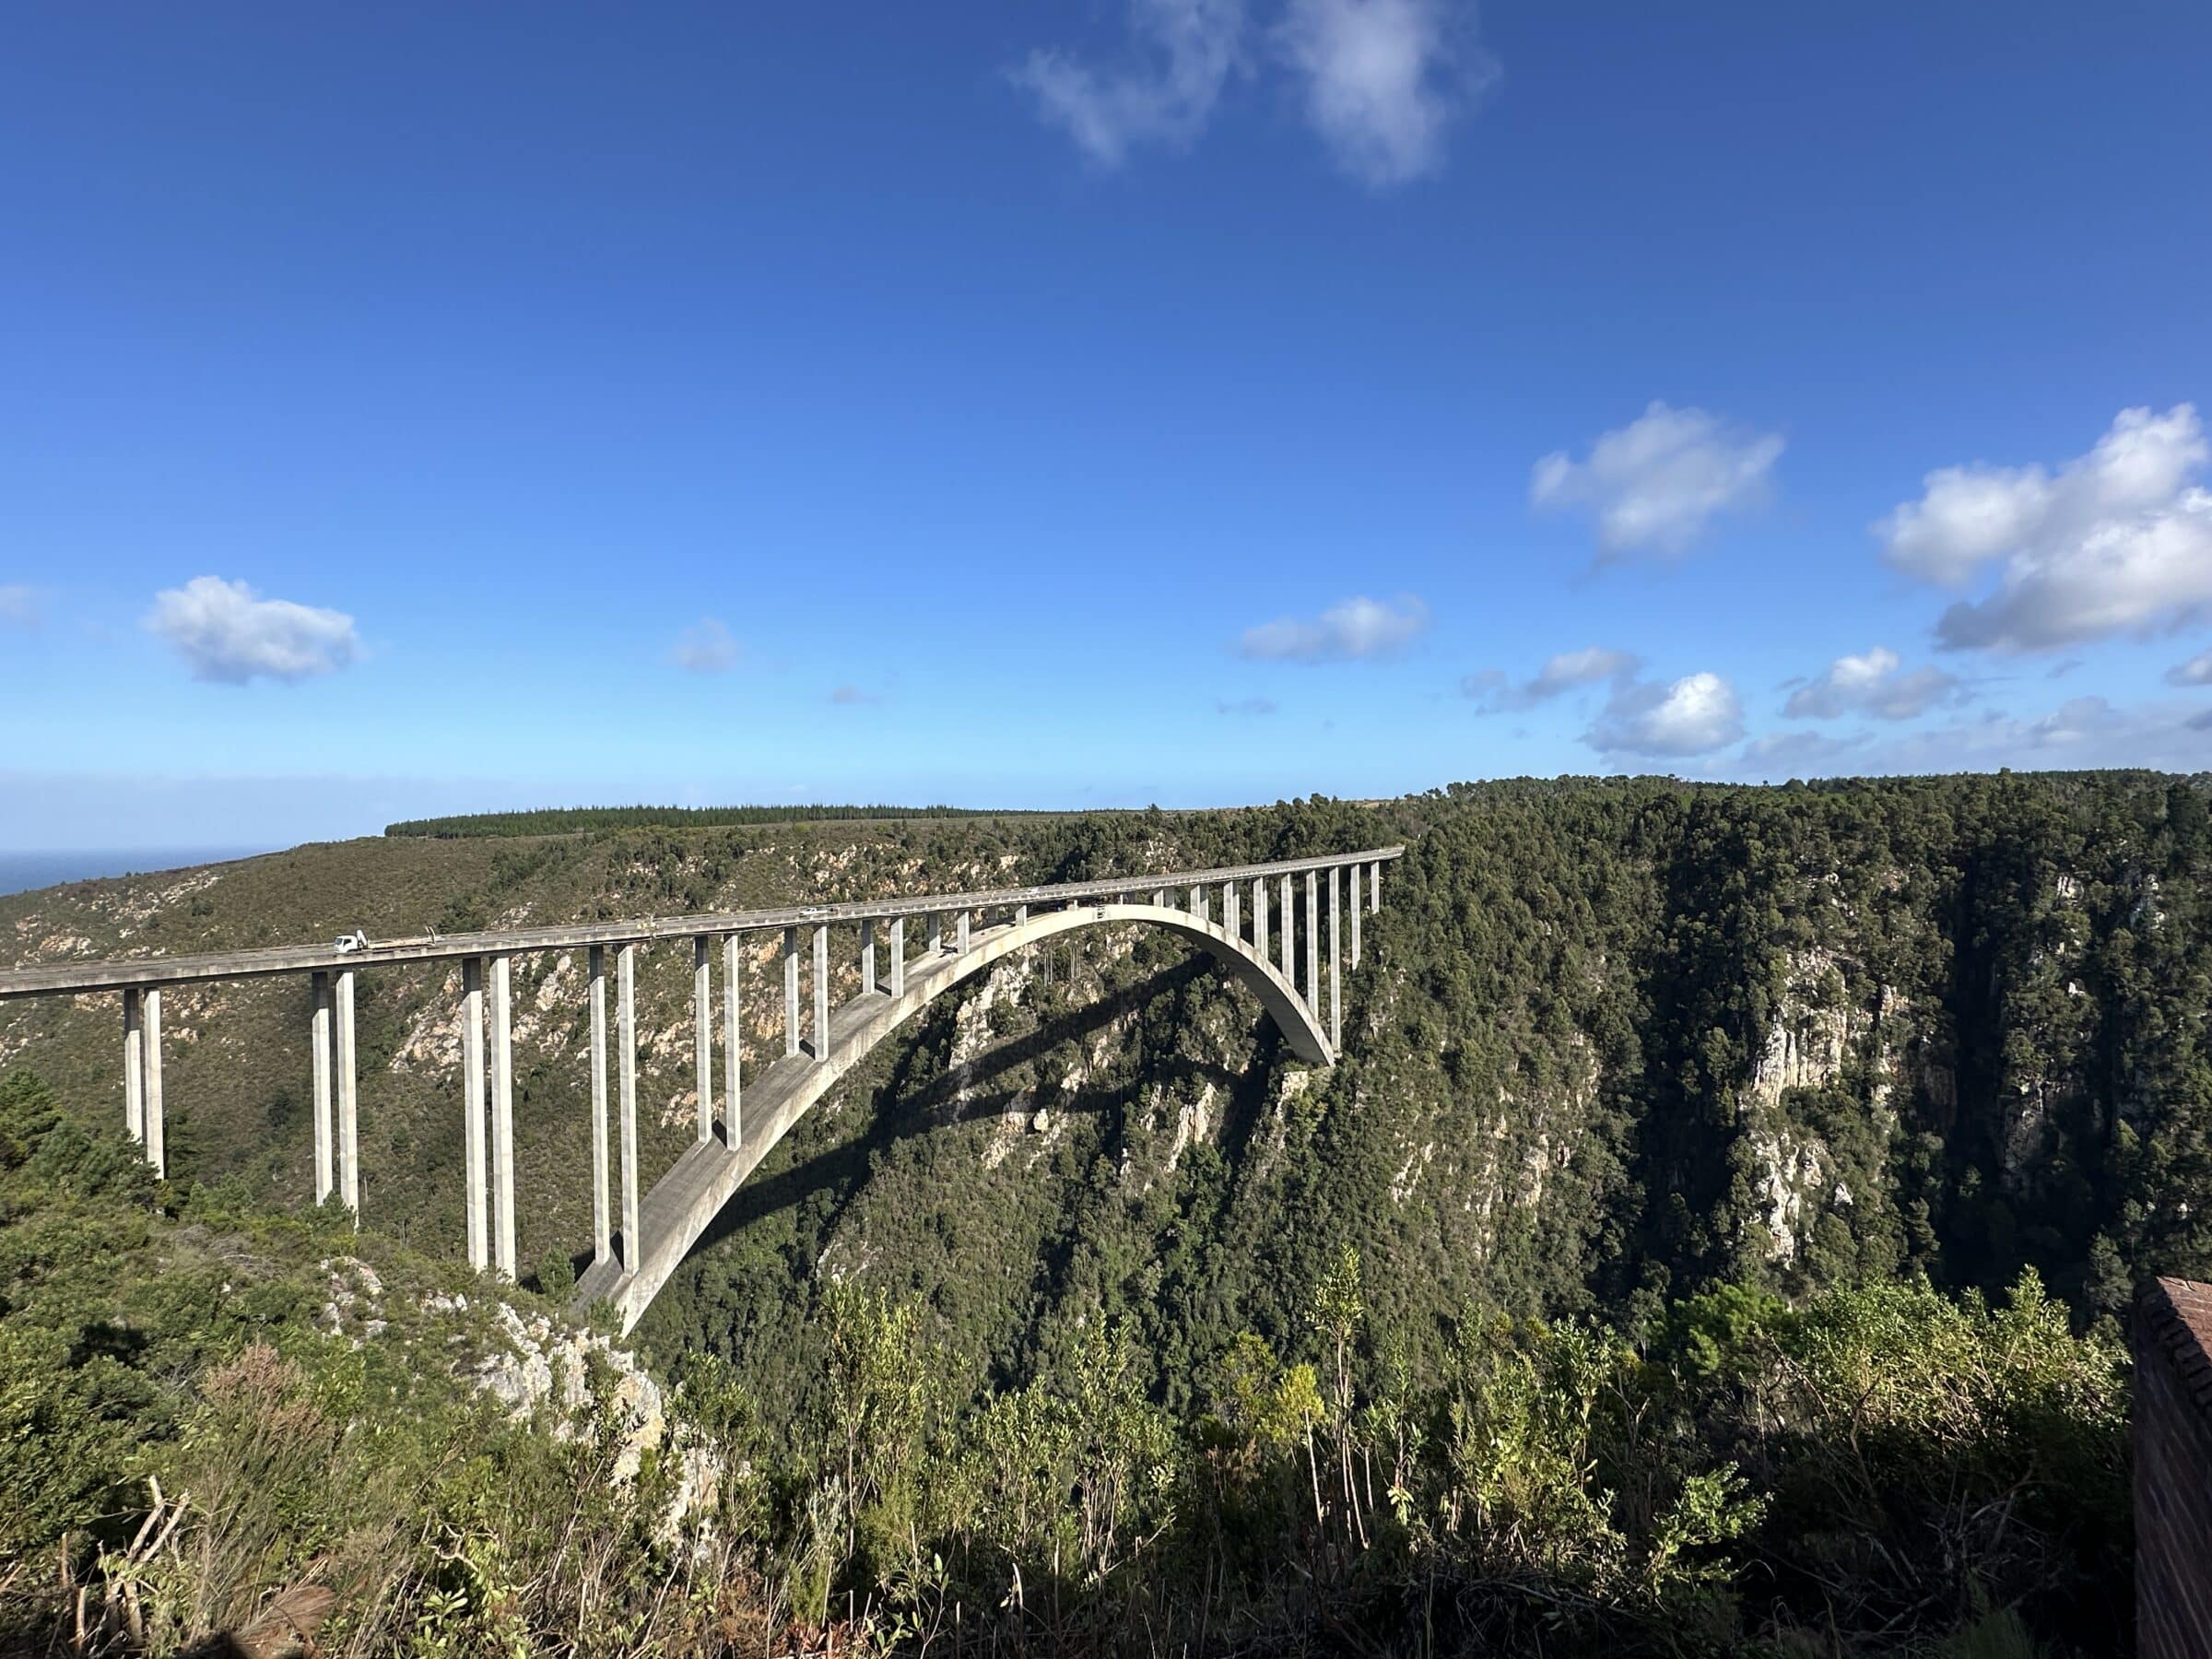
(936, 934)
(474, 1169)
(1336, 957)
(1231, 912)
(602, 1217)
(732, 1042)
(626, 1014)
(867, 957)
(134, 1066)
(350, 1121)
(1284, 934)
(963, 932)
(1374, 886)
(1357, 907)
(1259, 917)
(791, 991)
(1313, 942)
(898, 963)
(702, 1030)
(503, 1115)
(318, 1042)
(821, 992)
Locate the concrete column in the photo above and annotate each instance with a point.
(733, 1043)
(791, 991)
(473, 1167)
(963, 932)
(1259, 917)
(1357, 907)
(625, 1021)
(1335, 959)
(821, 992)
(503, 1116)
(702, 1030)
(1022, 914)
(318, 1042)
(1197, 901)
(867, 957)
(1374, 886)
(1231, 917)
(897, 955)
(1286, 931)
(1313, 942)
(1159, 898)
(156, 1152)
(603, 1211)
(133, 1066)
(937, 935)
(349, 1116)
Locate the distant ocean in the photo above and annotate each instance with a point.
(21, 872)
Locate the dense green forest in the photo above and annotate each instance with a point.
(1631, 1281)
(566, 820)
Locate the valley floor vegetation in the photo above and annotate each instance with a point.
(198, 1438)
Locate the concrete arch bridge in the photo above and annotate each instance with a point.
(1247, 917)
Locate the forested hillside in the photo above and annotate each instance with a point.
(1628, 1052)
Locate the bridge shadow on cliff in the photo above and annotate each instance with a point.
(926, 1104)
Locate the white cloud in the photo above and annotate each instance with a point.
(2117, 541)
(1870, 684)
(2196, 671)
(852, 697)
(1348, 630)
(1250, 707)
(1189, 47)
(1695, 715)
(1384, 79)
(1562, 673)
(705, 647)
(1658, 483)
(20, 605)
(2169, 735)
(225, 633)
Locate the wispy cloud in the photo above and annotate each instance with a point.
(21, 605)
(1593, 664)
(226, 633)
(1694, 716)
(1384, 79)
(1658, 484)
(1186, 49)
(1871, 684)
(1349, 630)
(2117, 541)
(706, 647)
(1251, 708)
(2196, 671)
(852, 697)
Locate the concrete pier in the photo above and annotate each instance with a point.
(821, 992)
(603, 1216)
(1374, 886)
(318, 1067)
(1199, 901)
(503, 1115)
(867, 958)
(936, 934)
(791, 991)
(133, 1066)
(1286, 932)
(963, 932)
(732, 1042)
(1232, 916)
(1259, 917)
(1313, 942)
(349, 1120)
(1336, 956)
(702, 1030)
(475, 1168)
(1356, 907)
(897, 961)
(626, 1019)
(157, 1140)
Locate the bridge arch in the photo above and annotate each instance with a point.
(684, 1203)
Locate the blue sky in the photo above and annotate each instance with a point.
(413, 408)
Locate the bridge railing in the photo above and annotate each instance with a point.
(1248, 894)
